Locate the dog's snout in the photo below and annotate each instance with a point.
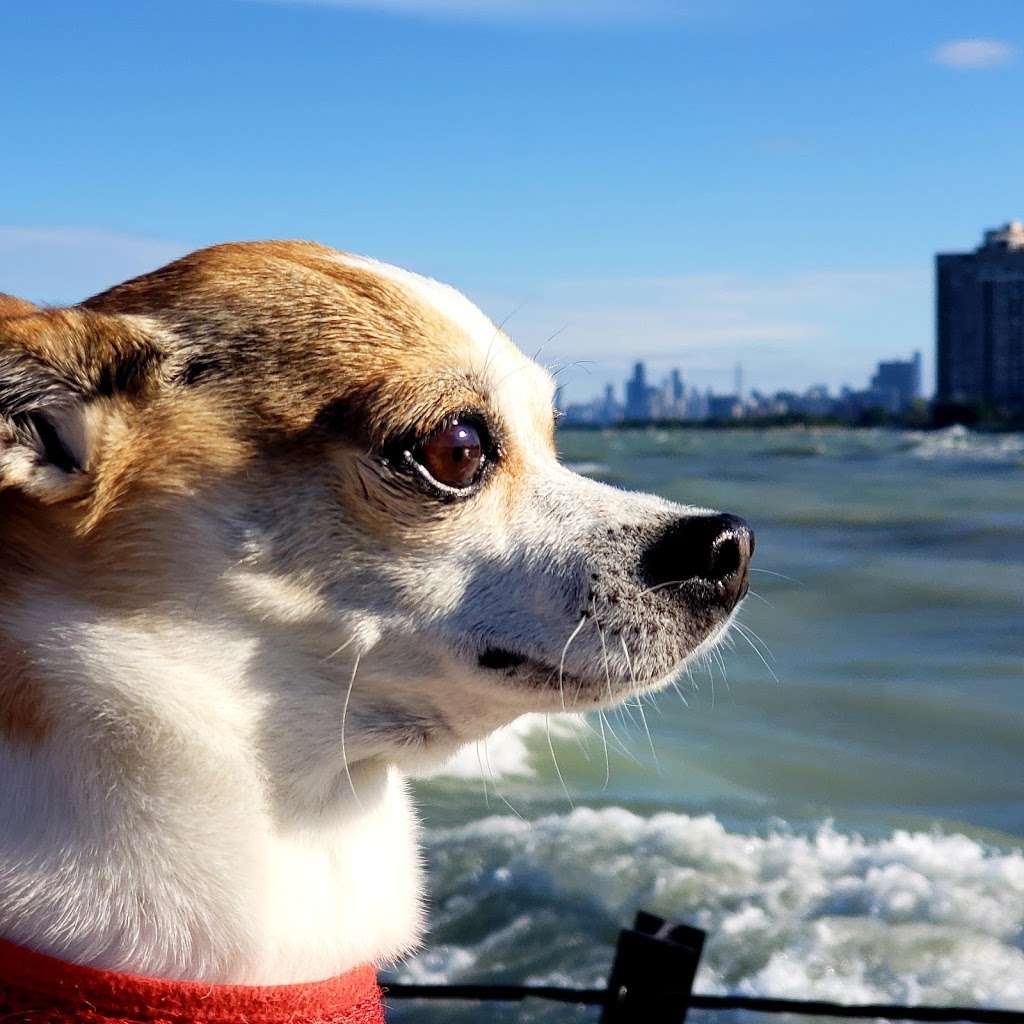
(701, 549)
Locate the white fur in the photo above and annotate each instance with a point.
(235, 893)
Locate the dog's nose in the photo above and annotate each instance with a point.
(702, 549)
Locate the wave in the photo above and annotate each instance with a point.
(960, 444)
(506, 752)
(956, 444)
(912, 918)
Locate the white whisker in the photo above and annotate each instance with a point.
(781, 576)
(554, 760)
(640, 706)
(679, 693)
(650, 738)
(623, 749)
(629, 661)
(607, 759)
(494, 336)
(745, 630)
(497, 792)
(604, 653)
(344, 719)
(662, 586)
(561, 662)
(483, 775)
(764, 661)
(721, 665)
(547, 341)
(338, 650)
(581, 363)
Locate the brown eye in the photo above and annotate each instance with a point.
(453, 455)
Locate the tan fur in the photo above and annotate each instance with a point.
(287, 330)
(235, 353)
(24, 716)
(275, 333)
(11, 305)
(80, 345)
(246, 345)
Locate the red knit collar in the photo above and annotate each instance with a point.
(38, 989)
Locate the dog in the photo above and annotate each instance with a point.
(280, 525)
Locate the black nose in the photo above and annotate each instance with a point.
(712, 550)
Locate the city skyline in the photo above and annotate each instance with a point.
(894, 388)
(979, 351)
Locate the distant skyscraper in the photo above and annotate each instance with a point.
(638, 395)
(611, 411)
(678, 387)
(724, 407)
(897, 384)
(980, 320)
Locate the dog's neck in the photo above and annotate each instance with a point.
(144, 826)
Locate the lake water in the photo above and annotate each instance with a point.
(847, 820)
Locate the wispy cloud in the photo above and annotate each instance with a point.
(975, 53)
(788, 329)
(65, 264)
(573, 11)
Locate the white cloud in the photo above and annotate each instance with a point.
(60, 265)
(975, 53)
(578, 11)
(788, 329)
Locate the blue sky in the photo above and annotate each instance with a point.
(695, 183)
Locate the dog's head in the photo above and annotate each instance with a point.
(354, 468)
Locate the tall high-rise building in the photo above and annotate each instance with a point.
(639, 395)
(980, 320)
(897, 384)
(678, 387)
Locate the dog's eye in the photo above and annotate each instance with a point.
(453, 455)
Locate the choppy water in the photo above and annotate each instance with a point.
(849, 828)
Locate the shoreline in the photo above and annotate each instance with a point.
(790, 423)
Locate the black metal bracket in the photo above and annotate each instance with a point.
(652, 976)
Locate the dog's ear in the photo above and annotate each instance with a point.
(56, 369)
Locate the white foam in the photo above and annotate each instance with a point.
(914, 917)
(960, 444)
(509, 752)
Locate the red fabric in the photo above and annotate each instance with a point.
(37, 989)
